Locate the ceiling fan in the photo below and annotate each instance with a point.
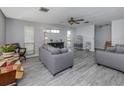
(72, 21)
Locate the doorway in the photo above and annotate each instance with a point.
(102, 34)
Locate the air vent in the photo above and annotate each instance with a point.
(43, 9)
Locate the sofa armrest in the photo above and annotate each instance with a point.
(64, 59)
(110, 59)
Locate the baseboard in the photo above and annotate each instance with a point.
(29, 56)
(99, 49)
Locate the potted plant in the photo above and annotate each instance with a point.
(7, 50)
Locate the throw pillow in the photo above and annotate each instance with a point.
(6, 69)
(9, 68)
(45, 46)
(3, 65)
(10, 62)
(53, 50)
(64, 50)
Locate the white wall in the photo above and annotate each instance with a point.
(88, 35)
(118, 32)
(102, 34)
(15, 31)
(2, 28)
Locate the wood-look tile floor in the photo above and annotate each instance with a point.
(85, 72)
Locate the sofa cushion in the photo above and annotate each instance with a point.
(111, 49)
(64, 50)
(119, 48)
(53, 50)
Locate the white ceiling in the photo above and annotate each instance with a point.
(60, 15)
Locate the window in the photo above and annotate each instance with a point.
(29, 39)
(52, 31)
(69, 39)
(58, 31)
(49, 31)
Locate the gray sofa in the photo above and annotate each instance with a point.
(113, 57)
(54, 59)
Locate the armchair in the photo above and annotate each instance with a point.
(20, 50)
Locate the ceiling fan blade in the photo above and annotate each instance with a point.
(69, 21)
(76, 22)
(86, 22)
(80, 20)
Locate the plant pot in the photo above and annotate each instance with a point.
(7, 54)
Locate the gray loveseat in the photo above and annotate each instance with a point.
(113, 57)
(55, 60)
